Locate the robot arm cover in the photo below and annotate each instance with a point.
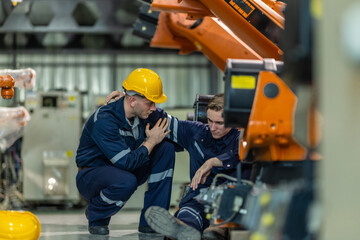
(12, 122)
(25, 78)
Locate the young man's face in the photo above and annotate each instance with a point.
(144, 107)
(216, 124)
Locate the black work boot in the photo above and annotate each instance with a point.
(163, 222)
(99, 230)
(145, 229)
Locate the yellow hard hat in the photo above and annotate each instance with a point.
(19, 225)
(145, 82)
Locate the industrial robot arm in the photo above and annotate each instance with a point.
(9, 79)
(255, 99)
(12, 122)
(7, 83)
(193, 8)
(174, 30)
(256, 22)
(24, 78)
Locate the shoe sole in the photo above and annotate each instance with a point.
(98, 231)
(161, 221)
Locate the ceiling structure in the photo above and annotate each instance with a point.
(69, 24)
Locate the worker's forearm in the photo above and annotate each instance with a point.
(215, 162)
(149, 145)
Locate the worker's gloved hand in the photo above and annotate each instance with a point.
(116, 95)
(158, 132)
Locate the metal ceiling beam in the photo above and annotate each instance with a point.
(68, 16)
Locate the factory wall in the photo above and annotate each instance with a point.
(97, 74)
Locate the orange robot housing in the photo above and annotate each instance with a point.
(7, 83)
(265, 106)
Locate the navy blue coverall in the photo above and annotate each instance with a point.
(196, 138)
(113, 164)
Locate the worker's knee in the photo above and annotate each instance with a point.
(130, 184)
(122, 190)
(164, 150)
(166, 147)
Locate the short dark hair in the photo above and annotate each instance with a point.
(216, 103)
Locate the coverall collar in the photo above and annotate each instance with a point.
(121, 115)
(135, 124)
(210, 141)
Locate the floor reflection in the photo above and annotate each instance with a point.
(72, 225)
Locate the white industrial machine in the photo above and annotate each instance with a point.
(49, 148)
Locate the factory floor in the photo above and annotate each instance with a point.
(72, 225)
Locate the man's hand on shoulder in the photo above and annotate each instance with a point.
(116, 95)
(156, 134)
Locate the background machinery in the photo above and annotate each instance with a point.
(14, 224)
(49, 148)
(12, 123)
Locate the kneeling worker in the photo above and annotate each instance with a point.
(118, 152)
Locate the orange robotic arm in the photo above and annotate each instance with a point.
(7, 83)
(194, 8)
(273, 9)
(207, 35)
(255, 22)
(9, 78)
(257, 99)
(24, 78)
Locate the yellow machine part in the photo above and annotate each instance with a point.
(19, 225)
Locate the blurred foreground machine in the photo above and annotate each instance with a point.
(49, 148)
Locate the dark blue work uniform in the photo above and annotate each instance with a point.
(114, 163)
(197, 139)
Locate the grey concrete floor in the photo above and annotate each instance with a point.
(72, 224)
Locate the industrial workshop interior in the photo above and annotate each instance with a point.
(284, 166)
